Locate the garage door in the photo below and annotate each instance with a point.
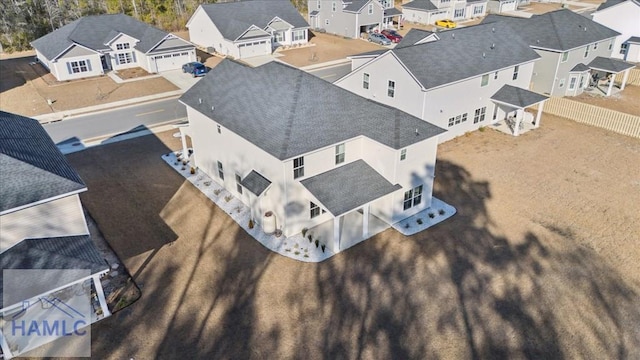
(438, 15)
(257, 48)
(509, 6)
(171, 61)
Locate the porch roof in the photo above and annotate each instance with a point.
(392, 12)
(580, 67)
(255, 182)
(314, 13)
(348, 187)
(517, 97)
(609, 65)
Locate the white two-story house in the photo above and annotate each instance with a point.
(459, 79)
(286, 142)
(352, 18)
(244, 29)
(428, 12)
(622, 16)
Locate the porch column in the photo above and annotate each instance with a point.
(624, 79)
(516, 128)
(539, 114)
(365, 221)
(611, 81)
(100, 294)
(5, 347)
(183, 139)
(336, 235)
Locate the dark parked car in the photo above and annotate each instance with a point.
(392, 35)
(195, 69)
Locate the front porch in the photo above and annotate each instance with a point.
(603, 74)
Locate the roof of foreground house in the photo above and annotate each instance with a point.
(234, 18)
(288, 112)
(95, 31)
(518, 97)
(255, 182)
(609, 3)
(32, 169)
(559, 30)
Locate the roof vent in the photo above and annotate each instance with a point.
(213, 107)
(453, 35)
(484, 55)
(538, 41)
(585, 28)
(493, 46)
(493, 29)
(417, 133)
(199, 100)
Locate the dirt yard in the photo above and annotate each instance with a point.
(25, 88)
(541, 261)
(627, 101)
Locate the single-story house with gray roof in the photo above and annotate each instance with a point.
(266, 136)
(244, 29)
(46, 252)
(93, 45)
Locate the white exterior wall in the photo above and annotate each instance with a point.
(469, 12)
(60, 69)
(204, 33)
(623, 18)
(62, 217)
(416, 16)
(137, 57)
(633, 53)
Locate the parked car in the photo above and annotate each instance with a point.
(446, 23)
(392, 35)
(379, 39)
(194, 68)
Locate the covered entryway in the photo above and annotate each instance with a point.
(578, 80)
(510, 102)
(347, 193)
(604, 71)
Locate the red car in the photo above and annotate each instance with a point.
(392, 35)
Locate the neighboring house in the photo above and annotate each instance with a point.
(428, 12)
(572, 48)
(244, 29)
(622, 16)
(351, 18)
(284, 141)
(93, 45)
(42, 226)
(502, 6)
(455, 79)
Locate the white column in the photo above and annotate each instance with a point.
(539, 114)
(516, 128)
(185, 151)
(336, 235)
(100, 293)
(365, 221)
(624, 79)
(611, 81)
(5, 347)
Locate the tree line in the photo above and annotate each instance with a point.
(22, 21)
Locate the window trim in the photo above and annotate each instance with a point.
(485, 80)
(220, 170)
(370, 9)
(479, 115)
(298, 170)
(334, 6)
(403, 154)
(238, 185)
(365, 80)
(412, 197)
(572, 82)
(314, 210)
(516, 69)
(340, 153)
(391, 88)
(298, 35)
(565, 57)
(586, 51)
(78, 66)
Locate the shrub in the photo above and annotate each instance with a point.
(309, 237)
(216, 192)
(406, 226)
(227, 198)
(304, 232)
(317, 243)
(441, 211)
(322, 246)
(193, 170)
(432, 215)
(419, 221)
(251, 224)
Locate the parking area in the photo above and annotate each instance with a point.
(180, 79)
(541, 261)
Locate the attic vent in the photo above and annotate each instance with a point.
(493, 46)
(417, 133)
(585, 28)
(200, 101)
(484, 55)
(213, 107)
(538, 41)
(453, 35)
(493, 29)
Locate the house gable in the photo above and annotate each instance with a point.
(171, 42)
(253, 32)
(76, 51)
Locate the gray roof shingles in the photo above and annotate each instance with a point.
(94, 31)
(464, 53)
(255, 182)
(634, 40)
(580, 67)
(355, 6)
(517, 97)
(425, 5)
(609, 3)
(234, 18)
(392, 12)
(348, 187)
(288, 112)
(412, 37)
(608, 64)
(31, 166)
(559, 30)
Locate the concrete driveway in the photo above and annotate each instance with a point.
(180, 79)
(541, 261)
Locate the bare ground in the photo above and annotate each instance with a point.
(626, 101)
(541, 261)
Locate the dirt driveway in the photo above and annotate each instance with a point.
(541, 261)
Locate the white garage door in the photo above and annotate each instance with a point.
(509, 6)
(257, 48)
(171, 61)
(438, 15)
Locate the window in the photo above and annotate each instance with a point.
(478, 10)
(495, 76)
(299, 35)
(515, 72)
(219, 130)
(623, 48)
(391, 88)
(370, 9)
(238, 186)
(586, 51)
(581, 82)
(565, 56)
(457, 119)
(479, 115)
(339, 154)
(298, 167)
(333, 6)
(561, 84)
(125, 58)
(610, 45)
(78, 66)
(403, 154)
(412, 197)
(315, 210)
(365, 81)
(572, 82)
(595, 46)
(458, 13)
(220, 171)
(485, 80)
(495, 112)
(319, 5)
(123, 46)
(280, 36)
(326, 21)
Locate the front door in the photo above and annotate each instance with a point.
(106, 62)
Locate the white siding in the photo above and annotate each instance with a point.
(625, 19)
(62, 217)
(204, 33)
(62, 69)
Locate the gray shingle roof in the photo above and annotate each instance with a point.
(234, 18)
(634, 40)
(31, 166)
(517, 97)
(559, 30)
(355, 6)
(94, 31)
(464, 53)
(580, 67)
(610, 65)
(348, 187)
(425, 5)
(412, 37)
(288, 112)
(609, 3)
(255, 182)
(68, 252)
(392, 12)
